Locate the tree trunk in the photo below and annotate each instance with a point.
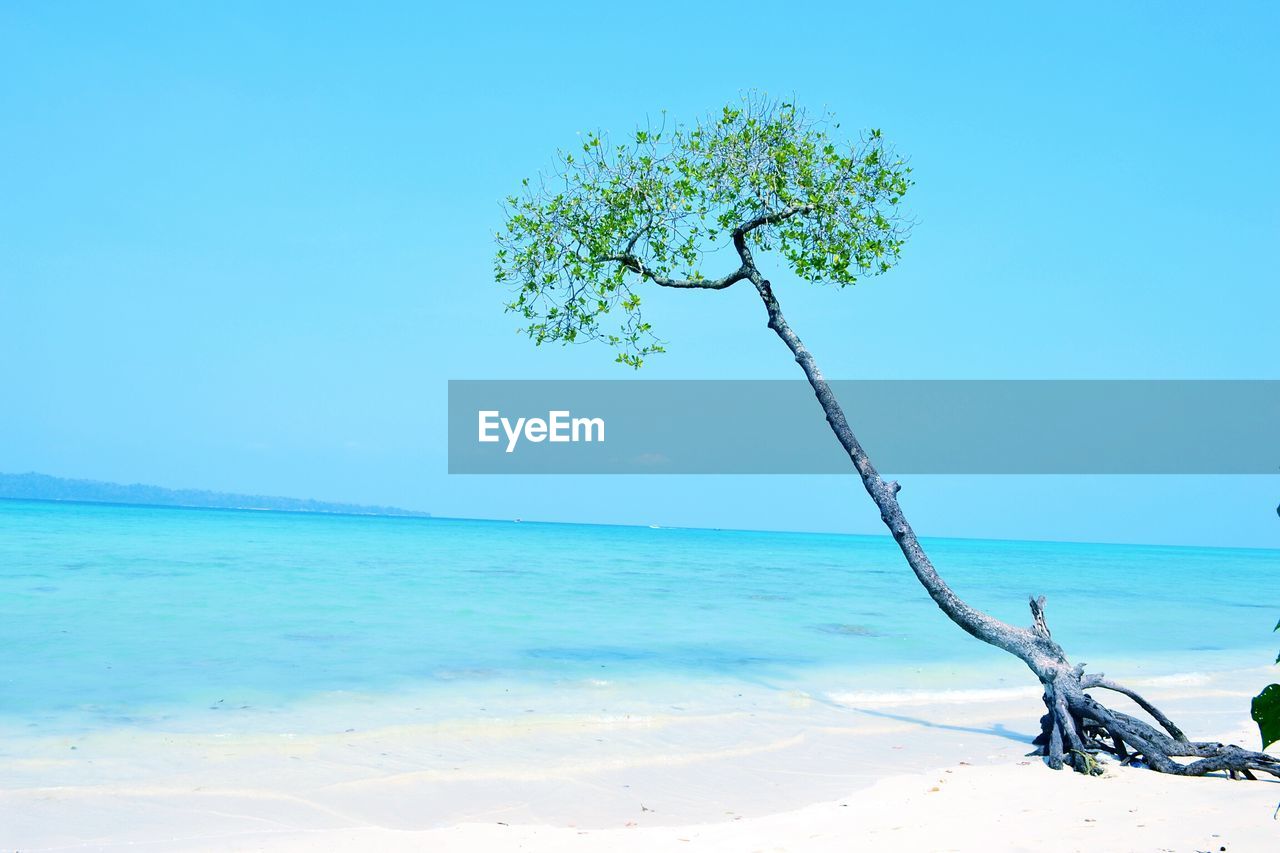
(1076, 727)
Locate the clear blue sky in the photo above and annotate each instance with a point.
(243, 246)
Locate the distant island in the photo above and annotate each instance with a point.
(42, 487)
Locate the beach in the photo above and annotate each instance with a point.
(912, 772)
(952, 809)
(581, 427)
(238, 681)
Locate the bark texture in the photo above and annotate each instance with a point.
(1076, 727)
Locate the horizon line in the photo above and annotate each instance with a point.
(423, 516)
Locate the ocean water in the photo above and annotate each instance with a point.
(140, 616)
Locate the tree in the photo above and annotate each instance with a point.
(764, 176)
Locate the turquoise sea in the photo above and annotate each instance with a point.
(122, 615)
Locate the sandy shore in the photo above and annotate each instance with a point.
(1023, 807)
(896, 771)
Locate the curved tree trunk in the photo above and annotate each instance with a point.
(1076, 726)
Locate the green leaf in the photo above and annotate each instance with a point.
(1266, 713)
(657, 206)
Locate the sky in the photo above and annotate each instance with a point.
(243, 247)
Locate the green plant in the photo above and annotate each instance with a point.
(1266, 710)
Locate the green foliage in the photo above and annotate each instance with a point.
(663, 204)
(1266, 713)
(1265, 710)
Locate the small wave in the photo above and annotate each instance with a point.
(1179, 679)
(899, 698)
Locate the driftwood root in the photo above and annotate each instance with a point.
(1077, 728)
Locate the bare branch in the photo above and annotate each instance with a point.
(772, 218)
(637, 266)
(1107, 684)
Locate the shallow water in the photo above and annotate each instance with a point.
(120, 615)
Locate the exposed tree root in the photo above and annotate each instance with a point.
(1077, 727)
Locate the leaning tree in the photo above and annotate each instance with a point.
(581, 242)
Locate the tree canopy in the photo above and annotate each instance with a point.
(663, 205)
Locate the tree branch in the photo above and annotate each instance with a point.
(633, 263)
(1107, 684)
(771, 218)
(637, 266)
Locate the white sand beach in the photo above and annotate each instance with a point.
(962, 808)
(896, 771)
